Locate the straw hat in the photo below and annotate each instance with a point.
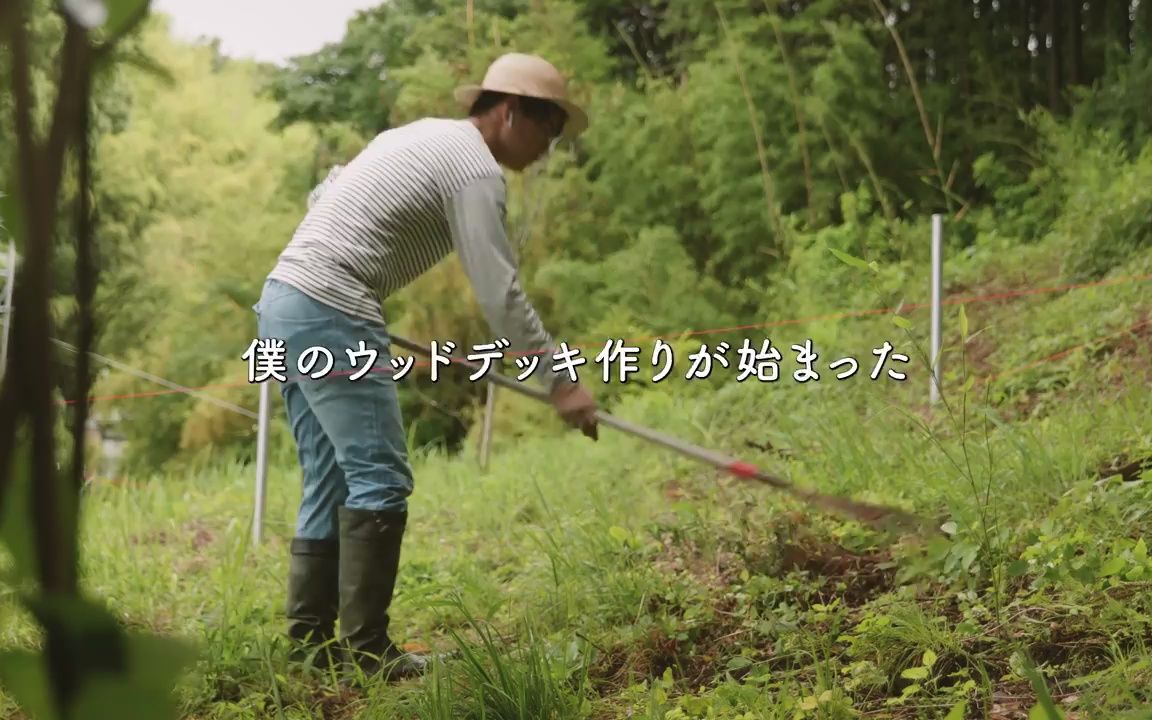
(531, 76)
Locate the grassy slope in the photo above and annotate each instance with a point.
(624, 581)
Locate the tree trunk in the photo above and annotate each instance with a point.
(1029, 31)
(1076, 58)
(1097, 30)
(1055, 81)
(794, 92)
(1143, 29)
(1122, 29)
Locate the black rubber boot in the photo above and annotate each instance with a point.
(313, 599)
(369, 560)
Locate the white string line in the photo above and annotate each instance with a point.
(161, 381)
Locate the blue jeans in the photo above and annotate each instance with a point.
(349, 432)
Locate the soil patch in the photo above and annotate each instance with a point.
(1129, 470)
(855, 577)
(976, 355)
(336, 704)
(1131, 345)
(1011, 700)
(195, 533)
(768, 447)
(695, 657)
(698, 652)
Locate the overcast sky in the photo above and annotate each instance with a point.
(269, 30)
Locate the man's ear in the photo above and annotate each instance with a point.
(511, 109)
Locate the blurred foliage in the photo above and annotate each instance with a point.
(85, 663)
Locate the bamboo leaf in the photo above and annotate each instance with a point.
(850, 259)
(22, 675)
(1045, 708)
(123, 15)
(143, 692)
(16, 531)
(124, 675)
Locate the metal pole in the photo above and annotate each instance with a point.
(261, 463)
(937, 275)
(486, 434)
(6, 306)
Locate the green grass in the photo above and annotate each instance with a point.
(616, 579)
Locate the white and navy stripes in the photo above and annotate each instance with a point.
(379, 222)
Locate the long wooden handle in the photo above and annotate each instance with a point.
(865, 512)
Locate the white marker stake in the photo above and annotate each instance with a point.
(937, 274)
(261, 463)
(486, 434)
(6, 304)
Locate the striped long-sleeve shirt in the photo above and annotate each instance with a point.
(411, 197)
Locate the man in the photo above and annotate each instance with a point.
(411, 197)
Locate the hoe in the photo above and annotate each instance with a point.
(880, 516)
